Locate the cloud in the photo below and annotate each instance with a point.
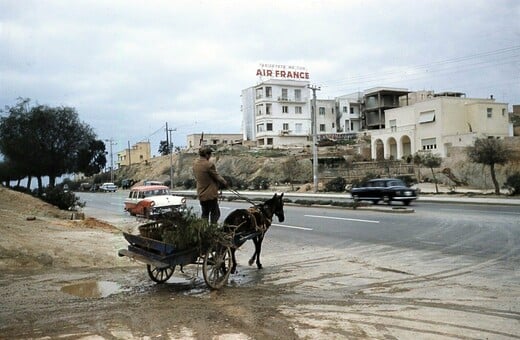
(128, 67)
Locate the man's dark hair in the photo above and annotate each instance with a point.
(205, 151)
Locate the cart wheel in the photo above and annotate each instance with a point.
(217, 266)
(159, 275)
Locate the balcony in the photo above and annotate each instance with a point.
(292, 100)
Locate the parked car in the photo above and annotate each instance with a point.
(152, 201)
(108, 187)
(384, 189)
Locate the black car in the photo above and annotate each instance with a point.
(384, 189)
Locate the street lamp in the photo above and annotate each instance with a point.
(170, 148)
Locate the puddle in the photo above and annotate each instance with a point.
(92, 289)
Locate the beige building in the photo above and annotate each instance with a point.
(436, 124)
(194, 141)
(140, 152)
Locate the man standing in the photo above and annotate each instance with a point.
(208, 184)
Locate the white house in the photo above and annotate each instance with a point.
(435, 124)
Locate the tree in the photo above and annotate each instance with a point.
(92, 159)
(489, 151)
(164, 149)
(431, 161)
(47, 141)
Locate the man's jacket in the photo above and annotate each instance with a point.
(208, 179)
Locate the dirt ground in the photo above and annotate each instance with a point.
(62, 278)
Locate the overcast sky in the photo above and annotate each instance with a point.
(128, 67)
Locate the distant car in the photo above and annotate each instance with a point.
(384, 189)
(108, 187)
(152, 201)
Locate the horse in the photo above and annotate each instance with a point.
(258, 219)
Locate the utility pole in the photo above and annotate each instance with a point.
(314, 137)
(169, 142)
(112, 143)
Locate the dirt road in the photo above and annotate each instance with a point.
(63, 279)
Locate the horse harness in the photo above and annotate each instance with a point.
(265, 221)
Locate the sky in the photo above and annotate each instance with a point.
(129, 67)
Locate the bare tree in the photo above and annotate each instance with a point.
(431, 161)
(489, 151)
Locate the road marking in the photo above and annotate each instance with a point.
(342, 218)
(290, 226)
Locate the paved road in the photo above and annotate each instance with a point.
(444, 271)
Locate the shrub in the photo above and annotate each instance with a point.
(260, 183)
(513, 183)
(336, 185)
(63, 199)
(189, 183)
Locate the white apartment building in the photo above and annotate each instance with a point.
(276, 112)
(435, 124)
(326, 119)
(348, 108)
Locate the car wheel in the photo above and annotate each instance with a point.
(406, 202)
(375, 201)
(387, 199)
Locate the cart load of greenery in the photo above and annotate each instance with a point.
(185, 230)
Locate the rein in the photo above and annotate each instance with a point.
(242, 197)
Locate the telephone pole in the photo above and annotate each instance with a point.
(112, 143)
(314, 137)
(169, 141)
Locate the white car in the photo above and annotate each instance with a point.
(108, 187)
(152, 201)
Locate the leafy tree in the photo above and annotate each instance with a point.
(92, 159)
(431, 161)
(164, 149)
(47, 141)
(489, 151)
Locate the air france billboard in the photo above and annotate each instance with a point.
(288, 72)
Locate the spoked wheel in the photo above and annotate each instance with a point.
(159, 275)
(217, 266)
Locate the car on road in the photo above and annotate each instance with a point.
(153, 201)
(108, 187)
(384, 189)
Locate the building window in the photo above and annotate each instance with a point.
(322, 111)
(269, 141)
(429, 144)
(393, 125)
(259, 109)
(352, 110)
(332, 125)
(259, 93)
(503, 112)
(297, 94)
(297, 109)
(267, 109)
(298, 127)
(269, 126)
(284, 94)
(260, 128)
(426, 117)
(345, 109)
(322, 127)
(489, 112)
(351, 126)
(285, 126)
(285, 109)
(268, 92)
(261, 141)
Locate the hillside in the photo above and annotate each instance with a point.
(295, 166)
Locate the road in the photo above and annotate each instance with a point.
(443, 271)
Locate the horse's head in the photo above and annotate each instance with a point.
(277, 206)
